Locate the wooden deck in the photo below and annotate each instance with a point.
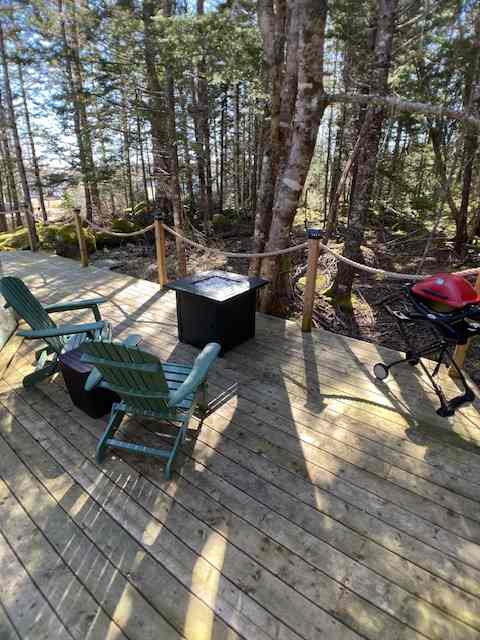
(315, 503)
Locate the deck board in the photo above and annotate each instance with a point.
(314, 503)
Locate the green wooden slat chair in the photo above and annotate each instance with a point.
(57, 338)
(168, 392)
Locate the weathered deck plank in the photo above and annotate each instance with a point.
(314, 503)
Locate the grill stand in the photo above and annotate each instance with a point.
(414, 357)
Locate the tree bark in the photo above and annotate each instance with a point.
(186, 148)
(157, 111)
(204, 132)
(200, 155)
(3, 214)
(8, 163)
(174, 180)
(74, 98)
(367, 158)
(236, 153)
(309, 106)
(470, 145)
(140, 147)
(406, 106)
(16, 138)
(36, 168)
(126, 153)
(79, 92)
(223, 130)
(272, 15)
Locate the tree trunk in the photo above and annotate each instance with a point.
(3, 215)
(174, 180)
(470, 148)
(272, 16)
(367, 159)
(438, 145)
(327, 168)
(140, 147)
(36, 169)
(222, 148)
(8, 164)
(18, 149)
(68, 55)
(126, 153)
(204, 130)
(236, 153)
(186, 149)
(307, 41)
(85, 130)
(216, 155)
(256, 153)
(157, 109)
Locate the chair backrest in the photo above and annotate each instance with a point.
(137, 376)
(27, 307)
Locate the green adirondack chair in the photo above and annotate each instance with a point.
(168, 392)
(57, 338)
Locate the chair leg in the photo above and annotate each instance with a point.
(41, 374)
(178, 440)
(116, 418)
(203, 402)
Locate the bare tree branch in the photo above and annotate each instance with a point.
(407, 106)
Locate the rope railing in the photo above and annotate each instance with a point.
(313, 244)
(391, 275)
(118, 234)
(232, 254)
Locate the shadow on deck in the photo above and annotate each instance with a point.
(314, 502)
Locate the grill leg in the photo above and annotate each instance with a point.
(463, 398)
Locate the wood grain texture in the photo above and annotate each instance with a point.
(313, 503)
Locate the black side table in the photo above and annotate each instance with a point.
(216, 306)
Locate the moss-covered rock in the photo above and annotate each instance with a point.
(118, 225)
(122, 225)
(17, 239)
(141, 215)
(219, 221)
(66, 241)
(47, 234)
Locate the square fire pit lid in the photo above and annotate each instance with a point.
(219, 286)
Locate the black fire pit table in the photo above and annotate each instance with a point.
(216, 306)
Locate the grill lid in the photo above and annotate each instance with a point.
(447, 289)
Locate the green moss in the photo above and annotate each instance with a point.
(122, 225)
(47, 234)
(66, 241)
(321, 281)
(62, 238)
(17, 239)
(219, 221)
(344, 302)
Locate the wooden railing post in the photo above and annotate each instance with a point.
(461, 350)
(82, 243)
(160, 249)
(314, 236)
(30, 224)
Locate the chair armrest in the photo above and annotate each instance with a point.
(197, 375)
(63, 330)
(77, 304)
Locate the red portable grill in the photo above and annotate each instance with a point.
(449, 306)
